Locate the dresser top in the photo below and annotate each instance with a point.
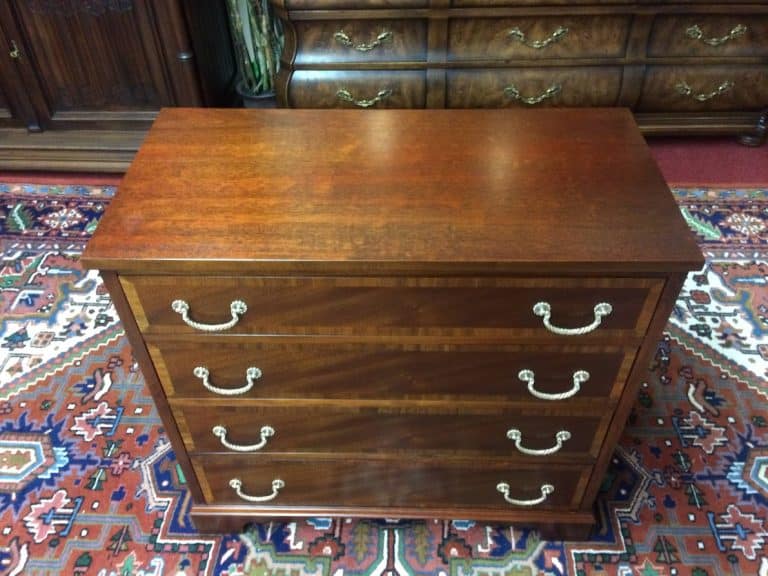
(560, 191)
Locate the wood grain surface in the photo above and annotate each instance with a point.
(443, 190)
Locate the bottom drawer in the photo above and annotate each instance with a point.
(497, 88)
(284, 481)
(704, 88)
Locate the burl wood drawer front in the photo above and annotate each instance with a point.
(381, 306)
(709, 35)
(533, 87)
(325, 4)
(704, 88)
(404, 483)
(357, 89)
(327, 42)
(190, 369)
(408, 428)
(564, 36)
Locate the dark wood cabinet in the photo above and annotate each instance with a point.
(685, 66)
(83, 80)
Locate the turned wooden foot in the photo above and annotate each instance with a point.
(758, 137)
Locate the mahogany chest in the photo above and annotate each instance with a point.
(397, 313)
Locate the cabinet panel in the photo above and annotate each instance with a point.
(94, 56)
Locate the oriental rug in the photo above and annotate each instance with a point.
(90, 486)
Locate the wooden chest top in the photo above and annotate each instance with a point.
(566, 191)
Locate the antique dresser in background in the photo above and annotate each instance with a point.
(690, 66)
(359, 314)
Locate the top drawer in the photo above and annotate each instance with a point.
(328, 42)
(450, 307)
(709, 35)
(538, 37)
(353, 4)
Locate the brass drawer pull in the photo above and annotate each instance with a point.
(696, 33)
(251, 375)
(237, 309)
(346, 95)
(544, 310)
(342, 38)
(277, 485)
(517, 436)
(517, 34)
(684, 89)
(579, 377)
(512, 92)
(15, 53)
(221, 433)
(546, 490)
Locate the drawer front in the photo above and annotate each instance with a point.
(361, 483)
(357, 89)
(537, 37)
(492, 3)
(355, 4)
(704, 88)
(709, 35)
(387, 429)
(363, 372)
(327, 42)
(534, 87)
(382, 306)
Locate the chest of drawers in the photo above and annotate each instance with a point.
(687, 66)
(345, 313)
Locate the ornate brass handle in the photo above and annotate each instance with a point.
(346, 95)
(517, 34)
(544, 310)
(236, 484)
(546, 490)
(15, 53)
(696, 33)
(512, 92)
(237, 309)
(684, 89)
(579, 377)
(251, 375)
(221, 433)
(517, 437)
(343, 39)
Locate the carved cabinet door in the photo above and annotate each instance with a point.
(99, 63)
(16, 77)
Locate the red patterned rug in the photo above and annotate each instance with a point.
(88, 484)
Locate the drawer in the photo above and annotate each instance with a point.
(704, 88)
(709, 35)
(538, 3)
(380, 306)
(528, 87)
(357, 89)
(565, 36)
(355, 4)
(327, 42)
(366, 372)
(364, 483)
(407, 428)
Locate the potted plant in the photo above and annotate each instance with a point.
(258, 40)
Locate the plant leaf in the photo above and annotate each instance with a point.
(243, 8)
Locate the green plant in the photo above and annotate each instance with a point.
(258, 40)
